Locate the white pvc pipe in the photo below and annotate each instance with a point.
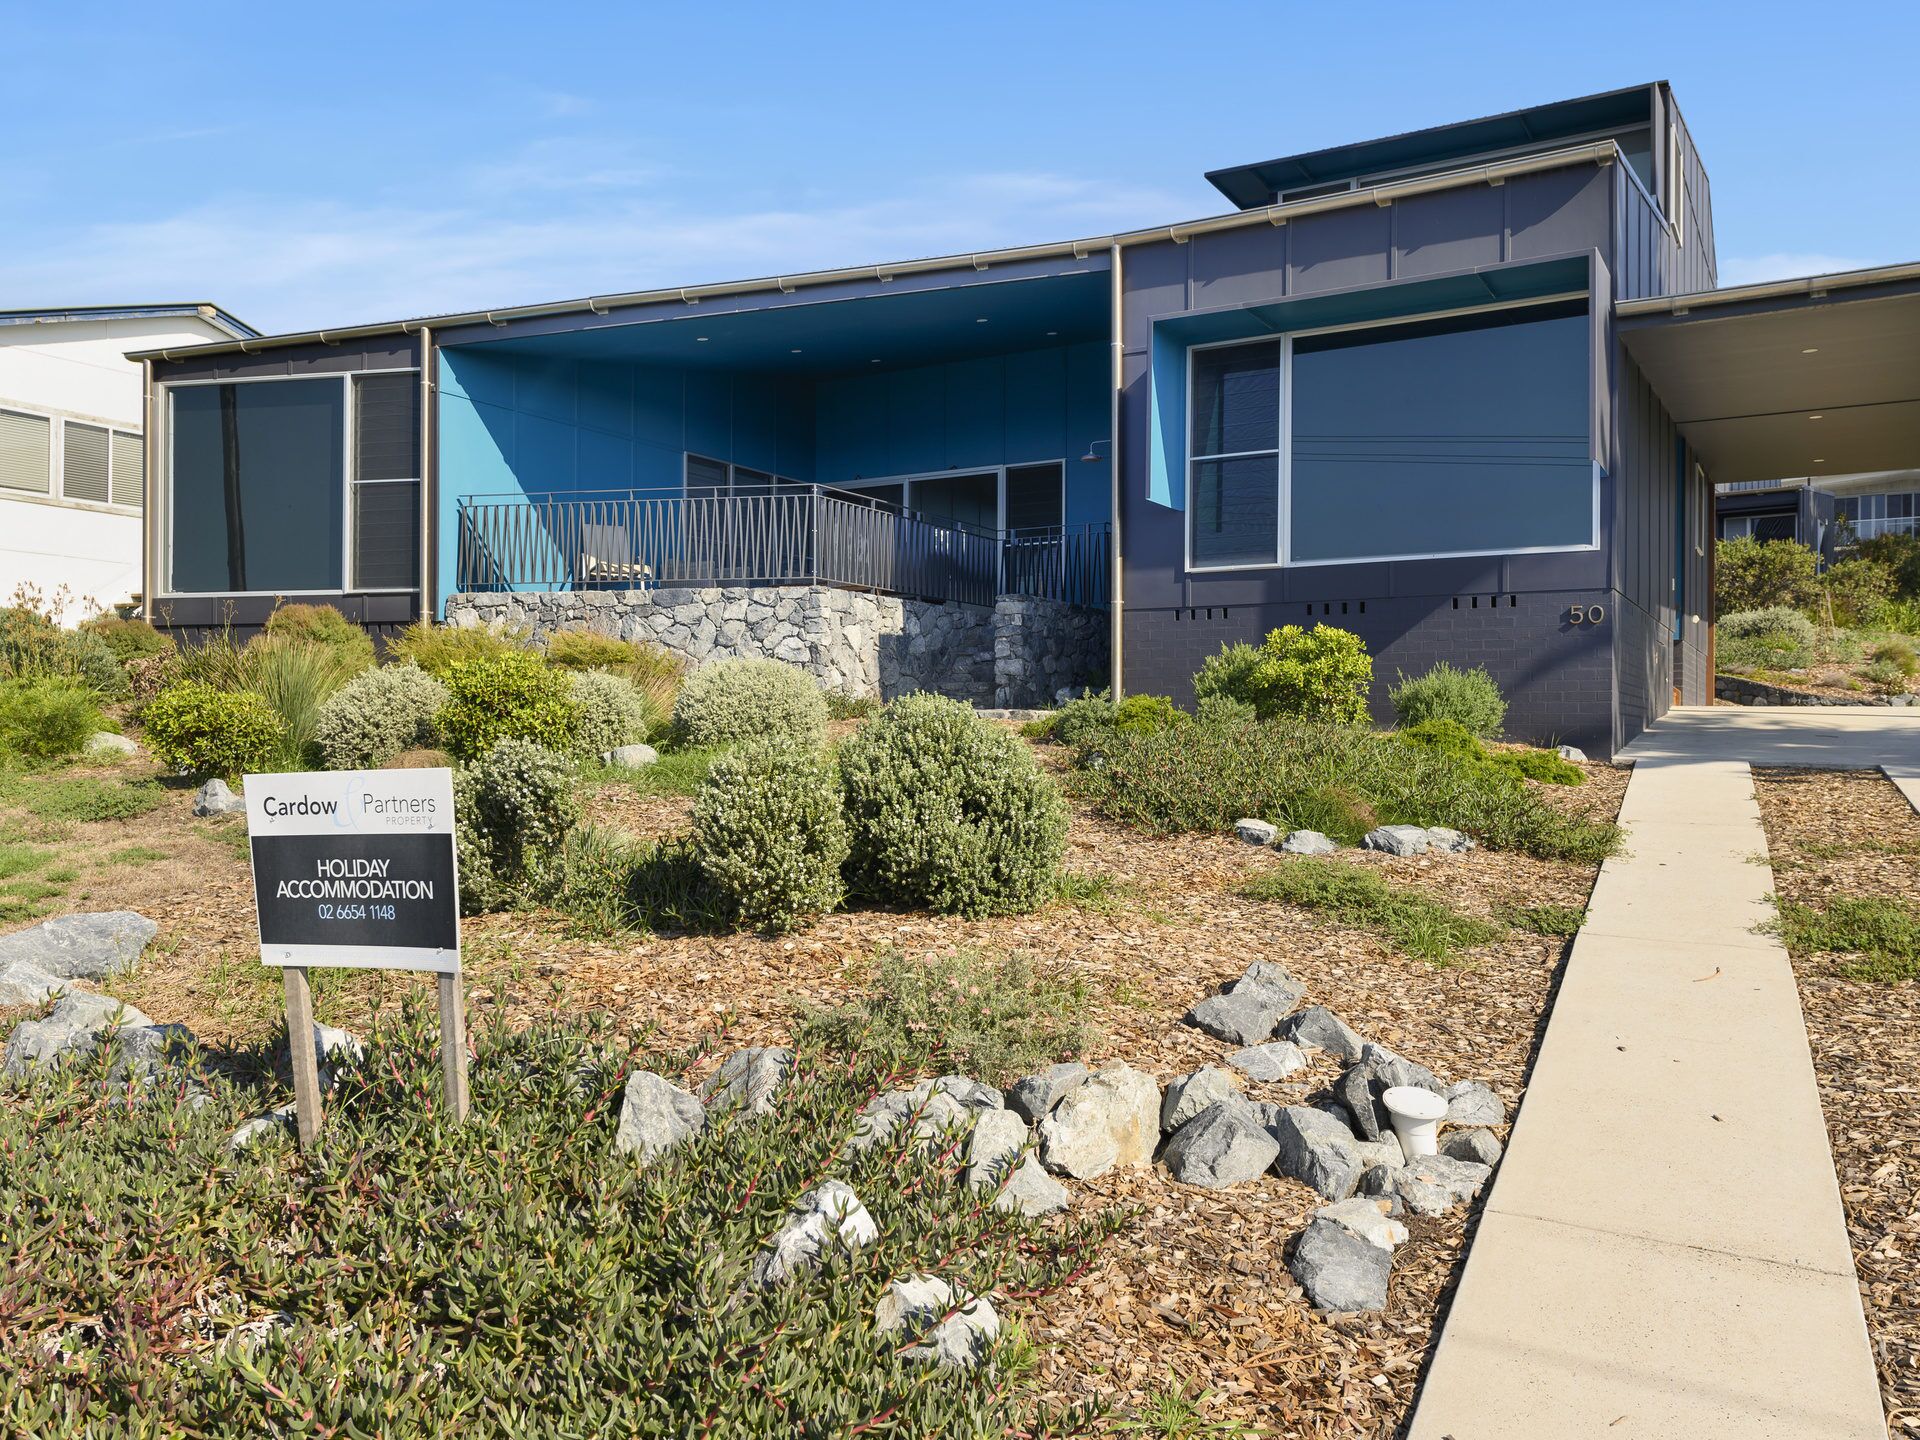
(1417, 1114)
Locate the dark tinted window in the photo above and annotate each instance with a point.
(1033, 496)
(1235, 511)
(1236, 399)
(386, 427)
(257, 485)
(386, 535)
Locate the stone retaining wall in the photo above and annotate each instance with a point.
(1742, 691)
(1017, 653)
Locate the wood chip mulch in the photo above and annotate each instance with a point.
(1835, 834)
(1194, 1290)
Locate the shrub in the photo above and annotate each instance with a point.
(1759, 574)
(1452, 739)
(129, 637)
(436, 649)
(1206, 776)
(842, 706)
(612, 712)
(1857, 588)
(33, 646)
(1886, 677)
(511, 694)
(652, 670)
(148, 675)
(1899, 555)
(1901, 615)
(1897, 653)
(1883, 934)
(1320, 674)
(1469, 697)
(1074, 723)
(948, 811)
(294, 675)
(613, 881)
(1778, 637)
(204, 731)
(1224, 710)
(513, 808)
(997, 1017)
(733, 700)
(1416, 924)
(1147, 712)
(376, 715)
(47, 717)
(769, 834)
(326, 626)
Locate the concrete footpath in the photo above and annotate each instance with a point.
(1663, 1252)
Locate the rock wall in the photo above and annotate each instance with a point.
(1043, 646)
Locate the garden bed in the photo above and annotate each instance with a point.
(1194, 1291)
(1851, 836)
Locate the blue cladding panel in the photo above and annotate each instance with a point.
(916, 420)
(976, 413)
(1034, 404)
(709, 421)
(659, 406)
(606, 398)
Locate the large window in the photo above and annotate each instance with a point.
(1446, 437)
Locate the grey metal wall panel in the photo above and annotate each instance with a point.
(1339, 249)
(1558, 211)
(1449, 230)
(1235, 267)
(379, 352)
(1154, 279)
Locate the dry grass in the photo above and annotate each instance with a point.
(1197, 1281)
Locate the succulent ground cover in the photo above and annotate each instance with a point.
(1840, 841)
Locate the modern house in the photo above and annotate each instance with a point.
(1464, 391)
(72, 456)
(1825, 514)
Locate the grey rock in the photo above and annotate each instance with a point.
(1481, 1147)
(1275, 1060)
(1319, 1026)
(918, 1305)
(140, 1050)
(1395, 1069)
(1339, 1270)
(749, 1078)
(1113, 1120)
(105, 745)
(1430, 1185)
(1308, 842)
(1223, 1145)
(1316, 1149)
(1266, 978)
(1256, 832)
(1384, 1151)
(24, 983)
(1190, 1094)
(214, 798)
(1359, 1090)
(970, 1093)
(1366, 1217)
(828, 1217)
(72, 1028)
(263, 1127)
(633, 757)
(1247, 1018)
(332, 1045)
(1577, 755)
(1443, 841)
(1034, 1096)
(1471, 1103)
(1032, 1191)
(656, 1117)
(1402, 840)
(998, 1138)
(81, 947)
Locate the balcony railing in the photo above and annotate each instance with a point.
(786, 535)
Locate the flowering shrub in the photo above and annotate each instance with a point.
(734, 700)
(376, 715)
(769, 834)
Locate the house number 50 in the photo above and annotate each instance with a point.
(1586, 614)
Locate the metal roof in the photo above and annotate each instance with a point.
(204, 309)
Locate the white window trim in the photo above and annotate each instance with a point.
(162, 484)
(56, 491)
(1285, 524)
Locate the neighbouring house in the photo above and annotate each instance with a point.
(1825, 513)
(1465, 391)
(72, 457)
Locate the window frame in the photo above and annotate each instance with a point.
(349, 483)
(1285, 522)
(57, 422)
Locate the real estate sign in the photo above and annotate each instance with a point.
(355, 867)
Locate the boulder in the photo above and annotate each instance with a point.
(998, 1137)
(656, 1116)
(1319, 1026)
(1359, 1089)
(1442, 841)
(332, 1044)
(1317, 1150)
(80, 947)
(1247, 1009)
(1265, 977)
(632, 757)
(1255, 832)
(105, 745)
(1190, 1094)
(214, 798)
(1273, 1061)
(1471, 1103)
(749, 1078)
(1401, 840)
(1308, 842)
(1113, 1120)
(262, 1127)
(919, 1306)
(24, 983)
(1223, 1145)
(1367, 1218)
(1573, 753)
(1395, 1069)
(1430, 1185)
(970, 1093)
(828, 1217)
(1384, 1151)
(71, 1028)
(1036, 1095)
(1339, 1270)
(1479, 1146)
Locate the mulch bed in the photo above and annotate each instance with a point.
(1194, 1290)
(1833, 834)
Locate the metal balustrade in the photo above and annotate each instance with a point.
(780, 535)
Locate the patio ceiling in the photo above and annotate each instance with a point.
(853, 335)
(1817, 377)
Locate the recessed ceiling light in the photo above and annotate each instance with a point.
(981, 321)
(1819, 459)
(701, 338)
(1816, 417)
(1811, 350)
(873, 362)
(794, 351)
(1052, 332)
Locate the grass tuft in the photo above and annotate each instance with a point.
(1561, 921)
(1882, 935)
(1356, 896)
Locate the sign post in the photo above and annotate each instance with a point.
(356, 868)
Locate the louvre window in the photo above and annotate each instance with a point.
(386, 535)
(83, 469)
(386, 427)
(129, 469)
(26, 453)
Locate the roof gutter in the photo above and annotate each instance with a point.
(1600, 152)
(1813, 286)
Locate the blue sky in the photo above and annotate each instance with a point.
(310, 165)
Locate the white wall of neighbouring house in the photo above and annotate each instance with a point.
(72, 527)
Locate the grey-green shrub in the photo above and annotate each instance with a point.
(612, 712)
(733, 700)
(1777, 636)
(376, 715)
(513, 808)
(1470, 698)
(948, 811)
(769, 834)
